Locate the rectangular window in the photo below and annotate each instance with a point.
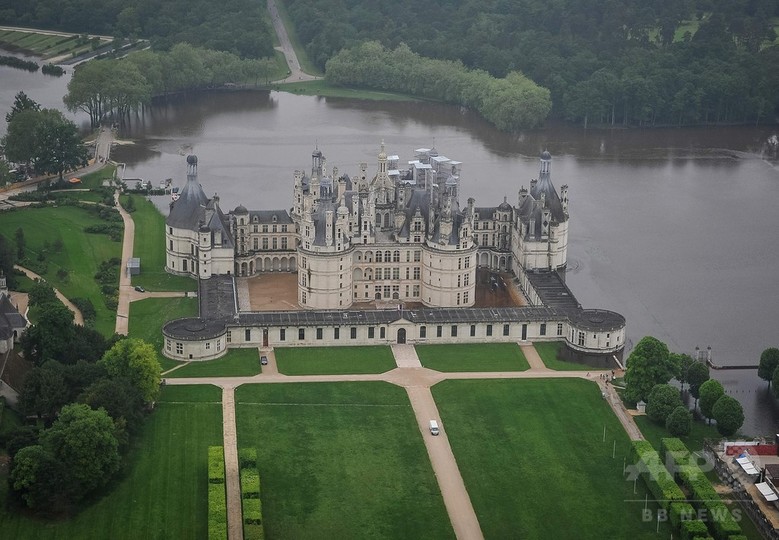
(415, 290)
(275, 243)
(371, 330)
(542, 329)
(454, 330)
(423, 331)
(465, 297)
(458, 299)
(171, 245)
(218, 344)
(274, 228)
(319, 333)
(489, 329)
(282, 334)
(466, 279)
(255, 244)
(284, 242)
(408, 256)
(396, 273)
(301, 333)
(386, 291)
(408, 272)
(283, 228)
(247, 334)
(264, 228)
(416, 272)
(264, 243)
(559, 329)
(473, 330)
(417, 256)
(467, 262)
(208, 345)
(387, 273)
(382, 332)
(179, 348)
(353, 332)
(505, 329)
(581, 339)
(229, 336)
(439, 331)
(336, 333)
(170, 230)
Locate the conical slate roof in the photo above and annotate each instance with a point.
(187, 211)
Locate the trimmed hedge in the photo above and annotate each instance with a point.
(694, 529)
(217, 512)
(247, 457)
(679, 454)
(251, 504)
(679, 512)
(216, 465)
(250, 484)
(657, 478)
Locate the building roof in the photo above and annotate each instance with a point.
(10, 318)
(268, 216)
(186, 211)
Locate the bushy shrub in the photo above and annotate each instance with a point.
(250, 483)
(679, 512)
(679, 422)
(679, 453)
(247, 457)
(252, 511)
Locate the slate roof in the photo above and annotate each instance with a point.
(10, 318)
(186, 212)
(266, 216)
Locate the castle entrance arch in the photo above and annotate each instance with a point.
(401, 336)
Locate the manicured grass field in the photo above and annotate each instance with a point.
(162, 493)
(81, 255)
(236, 363)
(340, 460)
(149, 245)
(548, 353)
(473, 357)
(532, 456)
(334, 360)
(147, 317)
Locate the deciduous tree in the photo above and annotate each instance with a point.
(710, 392)
(649, 364)
(729, 415)
(663, 399)
(697, 374)
(768, 362)
(57, 146)
(679, 422)
(137, 361)
(21, 103)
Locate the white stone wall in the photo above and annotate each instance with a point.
(448, 277)
(178, 248)
(598, 342)
(207, 349)
(326, 280)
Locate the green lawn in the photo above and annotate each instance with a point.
(334, 360)
(340, 460)
(473, 357)
(548, 352)
(694, 440)
(533, 459)
(323, 88)
(147, 317)
(81, 255)
(162, 494)
(95, 179)
(149, 245)
(236, 363)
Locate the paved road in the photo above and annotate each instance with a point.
(232, 471)
(48, 32)
(125, 286)
(296, 73)
(77, 317)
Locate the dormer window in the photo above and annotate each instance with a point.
(274, 218)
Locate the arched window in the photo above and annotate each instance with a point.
(396, 256)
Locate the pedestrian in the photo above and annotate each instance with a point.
(588, 374)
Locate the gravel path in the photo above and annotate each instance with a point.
(77, 317)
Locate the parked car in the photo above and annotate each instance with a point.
(264, 360)
(139, 288)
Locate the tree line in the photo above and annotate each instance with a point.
(122, 86)
(237, 26)
(621, 62)
(512, 103)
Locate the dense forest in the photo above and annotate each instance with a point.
(241, 27)
(633, 62)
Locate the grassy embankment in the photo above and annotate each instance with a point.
(46, 45)
(334, 360)
(548, 351)
(473, 357)
(532, 455)
(340, 460)
(300, 51)
(80, 256)
(162, 491)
